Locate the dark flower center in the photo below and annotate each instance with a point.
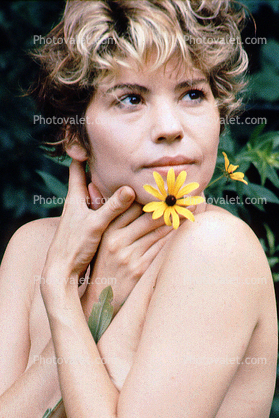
(170, 200)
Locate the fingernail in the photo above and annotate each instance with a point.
(126, 195)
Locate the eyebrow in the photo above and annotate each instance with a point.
(190, 83)
(129, 87)
(183, 84)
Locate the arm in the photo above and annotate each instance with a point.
(25, 393)
(203, 311)
(182, 314)
(128, 247)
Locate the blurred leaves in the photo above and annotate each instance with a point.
(265, 83)
(53, 184)
(20, 138)
(272, 251)
(262, 152)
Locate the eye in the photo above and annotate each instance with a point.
(130, 100)
(194, 95)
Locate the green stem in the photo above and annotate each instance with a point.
(214, 181)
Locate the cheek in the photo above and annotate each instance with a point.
(209, 145)
(110, 154)
(209, 135)
(213, 129)
(103, 145)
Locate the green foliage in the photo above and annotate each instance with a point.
(261, 151)
(21, 156)
(264, 84)
(253, 5)
(56, 187)
(272, 251)
(47, 413)
(101, 315)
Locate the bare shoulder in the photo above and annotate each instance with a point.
(37, 230)
(219, 254)
(27, 249)
(35, 235)
(217, 235)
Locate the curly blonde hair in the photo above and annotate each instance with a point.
(95, 37)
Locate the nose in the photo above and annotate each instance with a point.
(166, 124)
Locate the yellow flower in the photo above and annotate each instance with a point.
(230, 168)
(171, 200)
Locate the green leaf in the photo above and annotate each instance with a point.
(65, 160)
(273, 261)
(254, 190)
(101, 314)
(55, 186)
(47, 413)
(255, 134)
(272, 176)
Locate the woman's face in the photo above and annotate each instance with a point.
(140, 122)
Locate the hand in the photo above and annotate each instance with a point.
(79, 232)
(127, 249)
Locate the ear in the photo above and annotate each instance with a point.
(76, 151)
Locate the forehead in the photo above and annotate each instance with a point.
(172, 72)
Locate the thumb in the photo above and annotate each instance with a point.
(120, 201)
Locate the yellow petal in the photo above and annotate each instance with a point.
(170, 180)
(160, 183)
(167, 216)
(152, 206)
(187, 189)
(179, 182)
(191, 200)
(175, 218)
(185, 212)
(238, 176)
(226, 161)
(160, 210)
(153, 191)
(232, 168)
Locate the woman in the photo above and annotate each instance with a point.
(151, 80)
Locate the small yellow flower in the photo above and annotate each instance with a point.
(171, 200)
(230, 168)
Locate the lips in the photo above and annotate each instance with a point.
(178, 163)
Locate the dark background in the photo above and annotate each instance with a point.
(21, 158)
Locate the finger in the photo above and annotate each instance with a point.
(143, 225)
(143, 244)
(149, 255)
(127, 217)
(120, 201)
(96, 199)
(77, 183)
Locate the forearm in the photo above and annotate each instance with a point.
(85, 384)
(34, 391)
